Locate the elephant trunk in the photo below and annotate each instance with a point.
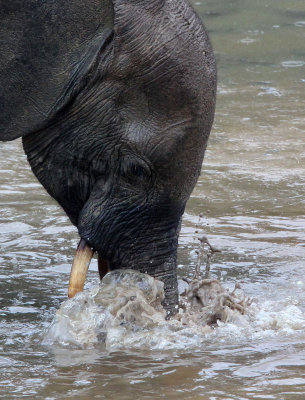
(133, 234)
(158, 259)
(166, 272)
(168, 275)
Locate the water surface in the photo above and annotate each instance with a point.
(251, 193)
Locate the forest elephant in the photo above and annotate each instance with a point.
(114, 101)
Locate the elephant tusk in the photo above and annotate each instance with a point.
(79, 268)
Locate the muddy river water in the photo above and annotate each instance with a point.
(251, 193)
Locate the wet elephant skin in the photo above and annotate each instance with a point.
(115, 102)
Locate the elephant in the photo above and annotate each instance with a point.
(114, 101)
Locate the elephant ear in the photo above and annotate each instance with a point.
(46, 48)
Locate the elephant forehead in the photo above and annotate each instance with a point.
(162, 44)
(155, 136)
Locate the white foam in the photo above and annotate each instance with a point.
(126, 315)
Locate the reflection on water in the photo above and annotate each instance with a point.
(251, 193)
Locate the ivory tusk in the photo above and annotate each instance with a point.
(79, 268)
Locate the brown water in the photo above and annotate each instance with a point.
(251, 193)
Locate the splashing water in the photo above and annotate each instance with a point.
(125, 312)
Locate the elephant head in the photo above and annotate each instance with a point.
(114, 100)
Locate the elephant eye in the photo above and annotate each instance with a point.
(135, 170)
(98, 169)
(139, 171)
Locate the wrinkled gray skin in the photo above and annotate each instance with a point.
(115, 102)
